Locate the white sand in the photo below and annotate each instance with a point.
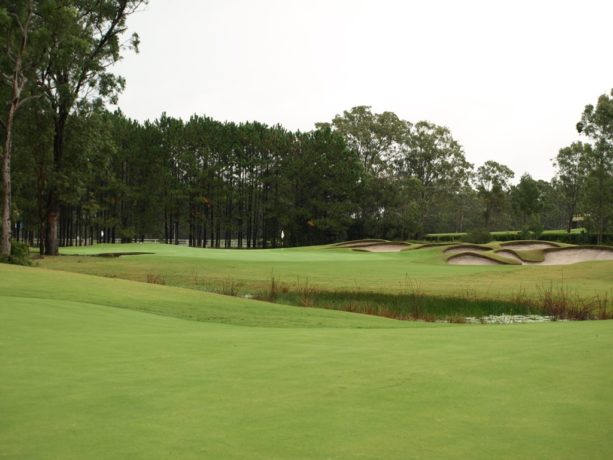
(573, 256)
(451, 251)
(562, 257)
(528, 246)
(385, 247)
(472, 259)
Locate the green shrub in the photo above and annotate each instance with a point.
(20, 254)
(444, 237)
(578, 238)
(532, 232)
(477, 236)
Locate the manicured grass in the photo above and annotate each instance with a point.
(250, 271)
(20, 282)
(83, 379)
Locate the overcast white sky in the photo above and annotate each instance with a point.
(510, 79)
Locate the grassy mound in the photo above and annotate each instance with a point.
(427, 246)
(531, 256)
(466, 247)
(358, 243)
(169, 301)
(480, 258)
(529, 244)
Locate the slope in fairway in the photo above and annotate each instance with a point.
(175, 302)
(81, 379)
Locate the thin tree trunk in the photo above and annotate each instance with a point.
(17, 81)
(53, 201)
(6, 182)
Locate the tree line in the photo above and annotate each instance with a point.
(76, 173)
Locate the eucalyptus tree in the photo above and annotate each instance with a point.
(570, 177)
(526, 198)
(431, 155)
(552, 214)
(597, 124)
(492, 181)
(17, 25)
(376, 139)
(457, 211)
(85, 38)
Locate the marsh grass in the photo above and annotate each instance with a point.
(413, 304)
(229, 287)
(561, 303)
(405, 306)
(271, 294)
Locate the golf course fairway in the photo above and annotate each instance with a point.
(329, 268)
(101, 368)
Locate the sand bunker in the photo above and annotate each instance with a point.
(358, 244)
(385, 247)
(460, 249)
(575, 255)
(529, 246)
(472, 259)
(558, 256)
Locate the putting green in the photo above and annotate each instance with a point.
(87, 372)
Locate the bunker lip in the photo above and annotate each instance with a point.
(476, 258)
(459, 248)
(529, 245)
(358, 243)
(385, 247)
(510, 254)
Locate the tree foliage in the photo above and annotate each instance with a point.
(83, 174)
(597, 124)
(492, 182)
(84, 39)
(526, 198)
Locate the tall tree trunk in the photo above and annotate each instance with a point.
(53, 200)
(17, 81)
(6, 181)
(51, 227)
(569, 223)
